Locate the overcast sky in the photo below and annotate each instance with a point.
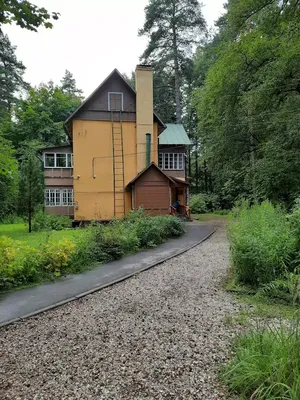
(90, 39)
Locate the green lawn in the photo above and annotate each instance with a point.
(35, 239)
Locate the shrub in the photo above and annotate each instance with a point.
(169, 226)
(287, 288)
(203, 203)
(149, 232)
(135, 215)
(261, 244)
(19, 263)
(267, 364)
(45, 222)
(12, 219)
(56, 256)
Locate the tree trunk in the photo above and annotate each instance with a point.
(177, 89)
(252, 158)
(189, 161)
(205, 177)
(176, 70)
(29, 221)
(196, 168)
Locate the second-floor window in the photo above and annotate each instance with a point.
(115, 101)
(58, 160)
(171, 161)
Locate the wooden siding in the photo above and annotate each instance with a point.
(58, 177)
(152, 192)
(60, 149)
(60, 210)
(172, 149)
(96, 109)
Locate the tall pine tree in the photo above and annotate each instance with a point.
(11, 75)
(68, 85)
(173, 27)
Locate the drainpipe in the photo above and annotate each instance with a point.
(148, 148)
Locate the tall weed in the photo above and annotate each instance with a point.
(261, 244)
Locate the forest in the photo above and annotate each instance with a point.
(234, 87)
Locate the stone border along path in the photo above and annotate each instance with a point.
(28, 302)
(159, 335)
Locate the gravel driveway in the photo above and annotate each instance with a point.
(160, 335)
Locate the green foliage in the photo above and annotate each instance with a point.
(172, 28)
(287, 288)
(98, 243)
(11, 72)
(25, 14)
(203, 203)
(267, 364)
(40, 116)
(31, 186)
(19, 263)
(56, 256)
(8, 179)
(248, 106)
(261, 244)
(68, 85)
(12, 219)
(48, 222)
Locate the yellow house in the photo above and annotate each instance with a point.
(111, 165)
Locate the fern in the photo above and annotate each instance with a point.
(290, 285)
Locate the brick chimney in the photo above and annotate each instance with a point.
(144, 111)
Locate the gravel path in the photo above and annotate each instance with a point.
(160, 335)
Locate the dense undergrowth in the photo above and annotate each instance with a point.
(265, 250)
(21, 264)
(265, 260)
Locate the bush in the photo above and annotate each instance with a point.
(203, 203)
(169, 226)
(47, 222)
(261, 244)
(19, 263)
(56, 256)
(267, 364)
(149, 232)
(12, 219)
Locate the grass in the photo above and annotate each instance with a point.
(267, 363)
(260, 306)
(34, 239)
(203, 217)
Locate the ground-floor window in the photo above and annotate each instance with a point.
(59, 197)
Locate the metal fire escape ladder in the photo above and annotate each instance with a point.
(118, 164)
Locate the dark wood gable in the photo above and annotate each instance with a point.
(97, 107)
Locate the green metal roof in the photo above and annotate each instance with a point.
(174, 134)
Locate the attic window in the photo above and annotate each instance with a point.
(115, 101)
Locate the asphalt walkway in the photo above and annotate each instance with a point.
(31, 301)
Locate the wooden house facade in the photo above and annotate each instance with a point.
(115, 162)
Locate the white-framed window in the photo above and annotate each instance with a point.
(171, 161)
(59, 197)
(115, 101)
(58, 160)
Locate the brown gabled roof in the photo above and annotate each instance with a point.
(178, 180)
(146, 169)
(115, 71)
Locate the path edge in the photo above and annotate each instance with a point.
(98, 288)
